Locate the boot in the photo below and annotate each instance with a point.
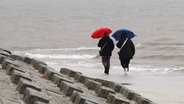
(106, 71)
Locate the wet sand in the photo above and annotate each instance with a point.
(162, 88)
(8, 93)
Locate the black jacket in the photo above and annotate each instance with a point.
(128, 50)
(108, 44)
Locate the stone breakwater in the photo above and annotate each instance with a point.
(24, 80)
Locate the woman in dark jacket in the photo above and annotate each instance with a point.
(106, 44)
(126, 52)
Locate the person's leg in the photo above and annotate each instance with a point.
(106, 63)
(123, 64)
(127, 61)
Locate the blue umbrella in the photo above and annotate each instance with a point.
(117, 34)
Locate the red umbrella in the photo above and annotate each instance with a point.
(100, 33)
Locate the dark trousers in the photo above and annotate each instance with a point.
(106, 63)
(125, 63)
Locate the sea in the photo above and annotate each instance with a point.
(58, 32)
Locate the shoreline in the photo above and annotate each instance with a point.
(46, 78)
(161, 88)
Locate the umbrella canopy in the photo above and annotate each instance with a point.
(117, 34)
(100, 33)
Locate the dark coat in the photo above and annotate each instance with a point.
(128, 50)
(108, 44)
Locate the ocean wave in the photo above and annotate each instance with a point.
(153, 46)
(67, 49)
(163, 57)
(158, 70)
(164, 43)
(84, 64)
(168, 47)
(63, 56)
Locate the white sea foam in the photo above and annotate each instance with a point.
(65, 49)
(57, 56)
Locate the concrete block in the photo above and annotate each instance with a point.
(16, 57)
(110, 98)
(36, 63)
(2, 57)
(124, 90)
(91, 84)
(81, 98)
(136, 97)
(80, 78)
(142, 100)
(68, 88)
(39, 102)
(74, 95)
(103, 91)
(23, 84)
(32, 95)
(117, 87)
(7, 61)
(120, 101)
(89, 102)
(69, 72)
(130, 94)
(64, 70)
(12, 67)
(49, 73)
(42, 68)
(72, 73)
(16, 75)
(5, 52)
(27, 60)
(56, 78)
(106, 83)
(59, 79)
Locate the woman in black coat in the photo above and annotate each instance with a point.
(106, 44)
(126, 52)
